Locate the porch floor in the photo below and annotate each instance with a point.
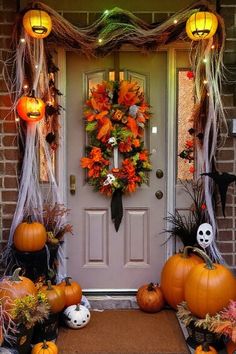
(125, 331)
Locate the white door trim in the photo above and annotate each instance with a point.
(170, 131)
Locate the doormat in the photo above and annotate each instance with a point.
(125, 332)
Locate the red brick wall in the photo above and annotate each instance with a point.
(9, 155)
(226, 155)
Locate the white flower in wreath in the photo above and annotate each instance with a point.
(109, 180)
(112, 141)
(133, 110)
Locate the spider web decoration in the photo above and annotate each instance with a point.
(113, 29)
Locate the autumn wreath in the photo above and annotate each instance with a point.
(116, 114)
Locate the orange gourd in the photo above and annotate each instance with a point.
(55, 296)
(205, 348)
(209, 287)
(150, 298)
(14, 287)
(30, 108)
(45, 348)
(29, 236)
(174, 274)
(73, 291)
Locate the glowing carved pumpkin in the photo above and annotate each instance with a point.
(37, 23)
(30, 108)
(201, 25)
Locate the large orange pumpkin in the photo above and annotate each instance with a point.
(30, 108)
(174, 274)
(55, 296)
(14, 287)
(45, 348)
(209, 287)
(73, 291)
(150, 298)
(29, 236)
(37, 23)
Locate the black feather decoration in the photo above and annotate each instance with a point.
(117, 208)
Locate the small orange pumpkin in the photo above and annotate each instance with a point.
(205, 348)
(29, 236)
(30, 108)
(14, 287)
(72, 290)
(45, 348)
(174, 274)
(55, 296)
(150, 298)
(209, 287)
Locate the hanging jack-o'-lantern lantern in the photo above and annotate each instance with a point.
(30, 108)
(201, 25)
(37, 23)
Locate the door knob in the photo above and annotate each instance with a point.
(72, 184)
(159, 173)
(159, 194)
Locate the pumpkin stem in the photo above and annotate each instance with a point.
(29, 219)
(49, 284)
(205, 347)
(208, 262)
(44, 346)
(68, 280)
(186, 250)
(77, 307)
(150, 287)
(16, 275)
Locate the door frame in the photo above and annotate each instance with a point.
(171, 134)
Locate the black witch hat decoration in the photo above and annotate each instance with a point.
(223, 180)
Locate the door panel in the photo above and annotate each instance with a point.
(98, 256)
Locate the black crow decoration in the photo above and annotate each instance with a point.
(223, 180)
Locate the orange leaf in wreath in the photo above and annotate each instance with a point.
(105, 129)
(127, 93)
(133, 126)
(86, 162)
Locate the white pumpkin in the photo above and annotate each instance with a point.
(76, 316)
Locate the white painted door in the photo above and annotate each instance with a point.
(98, 256)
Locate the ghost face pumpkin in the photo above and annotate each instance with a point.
(205, 235)
(76, 316)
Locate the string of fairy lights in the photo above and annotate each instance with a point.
(40, 27)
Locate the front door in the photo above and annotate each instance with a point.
(98, 256)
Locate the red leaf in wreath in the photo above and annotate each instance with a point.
(133, 126)
(105, 129)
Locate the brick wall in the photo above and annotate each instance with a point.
(226, 155)
(9, 155)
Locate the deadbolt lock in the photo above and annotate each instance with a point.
(159, 194)
(159, 173)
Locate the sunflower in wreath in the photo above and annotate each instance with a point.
(116, 115)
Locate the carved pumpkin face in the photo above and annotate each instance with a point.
(37, 23)
(31, 109)
(201, 25)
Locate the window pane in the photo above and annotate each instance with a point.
(185, 96)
